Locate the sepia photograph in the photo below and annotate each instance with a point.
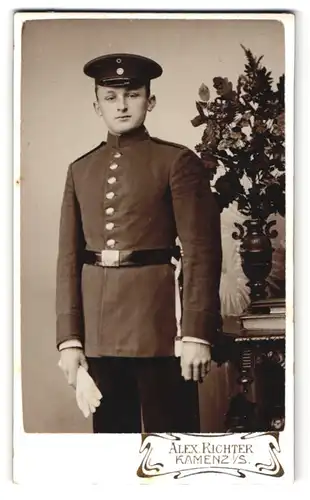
(153, 188)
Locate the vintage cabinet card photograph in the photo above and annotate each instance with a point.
(153, 223)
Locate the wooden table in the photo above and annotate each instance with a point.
(260, 360)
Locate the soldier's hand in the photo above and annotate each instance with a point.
(195, 360)
(70, 360)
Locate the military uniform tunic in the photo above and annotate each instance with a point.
(136, 192)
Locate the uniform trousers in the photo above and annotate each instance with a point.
(148, 390)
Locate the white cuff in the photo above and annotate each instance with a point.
(70, 343)
(195, 339)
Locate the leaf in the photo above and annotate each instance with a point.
(223, 87)
(280, 90)
(197, 121)
(204, 92)
(200, 110)
(259, 59)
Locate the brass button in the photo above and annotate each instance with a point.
(110, 195)
(112, 180)
(109, 226)
(110, 211)
(117, 155)
(111, 243)
(113, 166)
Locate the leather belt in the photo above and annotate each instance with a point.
(125, 258)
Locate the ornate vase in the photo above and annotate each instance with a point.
(256, 253)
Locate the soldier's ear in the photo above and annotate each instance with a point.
(151, 102)
(97, 108)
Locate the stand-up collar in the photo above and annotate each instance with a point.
(120, 141)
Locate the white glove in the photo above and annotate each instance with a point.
(87, 394)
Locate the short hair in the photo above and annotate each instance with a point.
(147, 86)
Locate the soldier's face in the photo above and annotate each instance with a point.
(123, 108)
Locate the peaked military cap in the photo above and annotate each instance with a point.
(122, 69)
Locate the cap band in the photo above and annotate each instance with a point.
(121, 82)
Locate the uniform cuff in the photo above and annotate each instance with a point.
(70, 343)
(196, 340)
(203, 324)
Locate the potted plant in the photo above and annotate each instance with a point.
(243, 148)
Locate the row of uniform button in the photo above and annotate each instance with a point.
(110, 195)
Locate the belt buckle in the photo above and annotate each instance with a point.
(110, 258)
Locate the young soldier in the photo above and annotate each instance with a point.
(124, 204)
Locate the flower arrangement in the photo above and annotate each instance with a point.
(242, 144)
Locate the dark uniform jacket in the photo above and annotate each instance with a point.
(137, 192)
